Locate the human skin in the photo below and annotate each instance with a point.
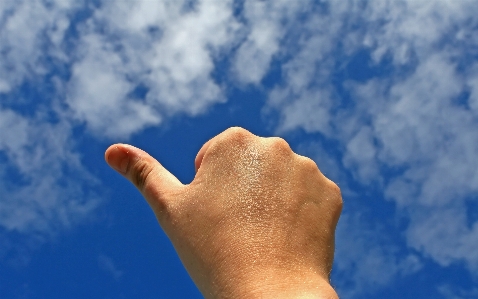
(257, 221)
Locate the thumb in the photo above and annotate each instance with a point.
(154, 181)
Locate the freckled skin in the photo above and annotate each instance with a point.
(257, 221)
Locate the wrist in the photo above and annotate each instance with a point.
(279, 284)
(290, 285)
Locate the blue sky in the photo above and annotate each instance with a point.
(382, 94)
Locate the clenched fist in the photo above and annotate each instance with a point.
(257, 221)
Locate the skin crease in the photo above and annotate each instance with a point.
(257, 221)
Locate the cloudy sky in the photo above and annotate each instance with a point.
(382, 94)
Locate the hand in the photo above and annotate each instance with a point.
(257, 221)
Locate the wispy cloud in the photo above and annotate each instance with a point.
(451, 293)
(44, 188)
(264, 27)
(106, 264)
(141, 61)
(30, 32)
(364, 251)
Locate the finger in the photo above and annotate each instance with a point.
(154, 181)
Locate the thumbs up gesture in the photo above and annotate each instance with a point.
(257, 221)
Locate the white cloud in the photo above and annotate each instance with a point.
(451, 292)
(41, 181)
(363, 253)
(27, 29)
(293, 111)
(167, 49)
(97, 93)
(362, 155)
(422, 130)
(106, 264)
(44, 188)
(264, 25)
(442, 233)
(472, 82)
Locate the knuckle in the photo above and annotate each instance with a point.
(335, 188)
(236, 136)
(279, 144)
(336, 194)
(309, 164)
(332, 190)
(310, 169)
(237, 132)
(141, 171)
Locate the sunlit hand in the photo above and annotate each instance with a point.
(257, 221)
